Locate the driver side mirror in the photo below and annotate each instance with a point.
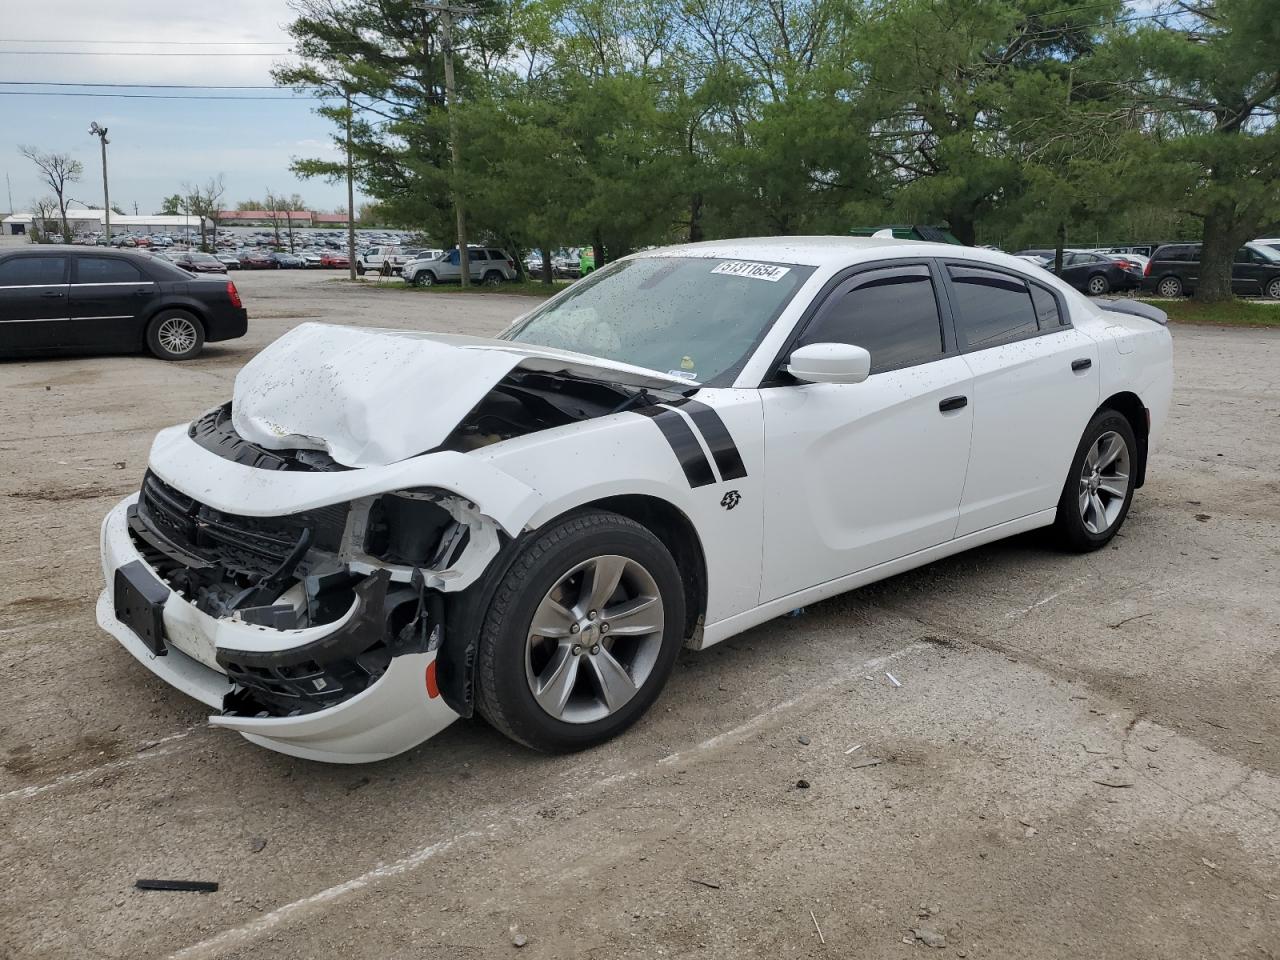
(829, 363)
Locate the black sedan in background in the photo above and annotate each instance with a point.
(195, 262)
(1091, 273)
(59, 299)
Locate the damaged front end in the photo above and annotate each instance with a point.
(369, 570)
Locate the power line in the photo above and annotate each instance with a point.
(148, 86)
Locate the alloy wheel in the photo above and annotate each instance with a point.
(1104, 482)
(594, 639)
(1097, 285)
(177, 335)
(1170, 288)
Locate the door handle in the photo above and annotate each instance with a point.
(1084, 363)
(143, 292)
(53, 293)
(953, 403)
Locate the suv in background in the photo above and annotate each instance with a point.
(1174, 271)
(489, 266)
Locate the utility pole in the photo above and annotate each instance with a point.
(351, 194)
(447, 12)
(101, 134)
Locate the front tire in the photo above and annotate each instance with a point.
(1169, 287)
(1099, 488)
(1098, 285)
(1273, 289)
(175, 335)
(426, 279)
(359, 269)
(581, 634)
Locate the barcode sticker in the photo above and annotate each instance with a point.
(756, 271)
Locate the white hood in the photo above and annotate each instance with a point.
(373, 397)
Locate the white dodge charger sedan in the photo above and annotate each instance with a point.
(385, 530)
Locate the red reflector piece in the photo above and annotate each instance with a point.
(433, 688)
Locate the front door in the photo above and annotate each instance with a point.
(108, 295)
(863, 473)
(33, 302)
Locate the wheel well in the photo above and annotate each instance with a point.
(1135, 412)
(678, 535)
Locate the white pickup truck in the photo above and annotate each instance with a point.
(373, 259)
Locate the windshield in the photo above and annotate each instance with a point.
(691, 317)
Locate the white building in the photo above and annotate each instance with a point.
(83, 221)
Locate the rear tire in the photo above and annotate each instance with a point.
(579, 684)
(1169, 287)
(492, 279)
(359, 269)
(175, 335)
(1273, 289)
(1099, 487)
(1098, 285)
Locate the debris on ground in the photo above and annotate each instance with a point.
(802, 740)
(892, 679)
(856, 746)
(929, 937)
(518, 940)
(802, 784)
(258, 844)
(1115, 784)
(706, 883)
(792, 614)
(869, 762)
(821, 938)
(191, 886)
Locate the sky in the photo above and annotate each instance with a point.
(155, 145)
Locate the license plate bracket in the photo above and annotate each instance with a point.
(139, 603)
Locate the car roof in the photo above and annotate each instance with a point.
(831, 252)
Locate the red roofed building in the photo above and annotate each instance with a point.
(299, 218)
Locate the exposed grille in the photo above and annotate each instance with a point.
(215, 432)
(249, 545)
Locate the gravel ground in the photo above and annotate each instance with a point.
(1081, 761)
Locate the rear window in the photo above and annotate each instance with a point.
(1046, 304)
(32, 271)
(993, 308)
(497, 255)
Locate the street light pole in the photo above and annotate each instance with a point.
(101, 134)
(446, 12)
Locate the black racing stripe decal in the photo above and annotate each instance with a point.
(694, 463)
(719, 439)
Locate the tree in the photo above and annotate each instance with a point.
(172, 206)
(58, 170)
(206, 202)
(42, 212)
(1210, 79)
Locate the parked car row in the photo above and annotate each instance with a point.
(1169, 270)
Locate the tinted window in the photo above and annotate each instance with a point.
(496, 255)
(1046, 305)
(474, 255)
(106, 270)
(993, 308)
(30, 271)
(892, 313)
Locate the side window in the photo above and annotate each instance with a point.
(496, 255)
(1245, 255)
(992, 308)
(1046, 304)
(474, 255)
(891, 313)
(33, 271)
(107, 270)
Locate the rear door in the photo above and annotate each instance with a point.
(1035, 387)
(33, 301)
(109, 296)
(1247, 273)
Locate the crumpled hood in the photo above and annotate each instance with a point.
(372, 397)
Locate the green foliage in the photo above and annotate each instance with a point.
(585, 122)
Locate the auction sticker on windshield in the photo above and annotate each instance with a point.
(756, 271)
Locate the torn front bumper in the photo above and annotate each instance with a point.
(399, 710)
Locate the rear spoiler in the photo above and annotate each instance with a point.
(1134, 307)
